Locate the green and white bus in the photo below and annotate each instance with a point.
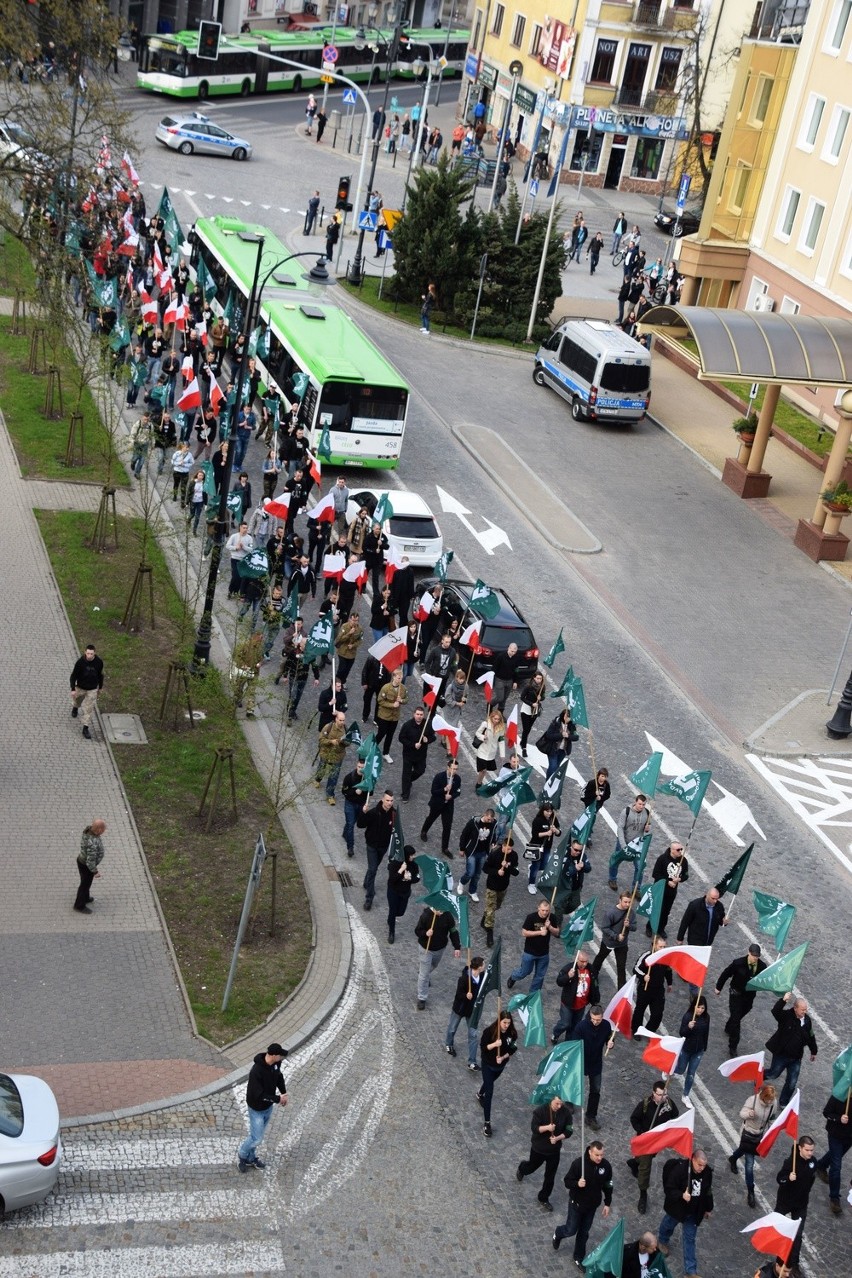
(169, 63)
(351, 388)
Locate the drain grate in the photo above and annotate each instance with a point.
(342, 876)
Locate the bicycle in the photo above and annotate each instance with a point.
(619, 257)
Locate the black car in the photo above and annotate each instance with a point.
(667, 222)
(508, 626)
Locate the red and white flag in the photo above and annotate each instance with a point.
(201, 330)
(449, 730)
(424, 606)
(393, 560)
(323, 511)
(743, 1069)
(356, 572)
(470, 637)
(187, 369)
(150, 311)
(487, 682)
(164, 275)
(280, 505)
(315, 469)
(512, 728)
(191, 397)
(773, 1234)
(689, 961)
(217, 395)
(676, 1134)
(662, 1051)
(127, 166)
(131, 239)
(175, 313)
(787, 1121)
(432, 684)
(392, 649)
(619, 1010)
(334, 566)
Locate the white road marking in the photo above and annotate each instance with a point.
(147, 1262)
(142, 1153)
(820, 794)
(489, 539)
(64, 1210)
(731, 814)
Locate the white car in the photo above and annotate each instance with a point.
(30, 1146)
(412, 529)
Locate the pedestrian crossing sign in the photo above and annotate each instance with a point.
(367, 221)
(349, 97)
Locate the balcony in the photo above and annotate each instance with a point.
(654, 102)
(647, 14)
(625, 97)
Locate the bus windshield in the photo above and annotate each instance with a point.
(165, 58)
(353, 407)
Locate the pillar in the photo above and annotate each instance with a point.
(689, 291)
(820, 537)
(836, 459)
(764, 427)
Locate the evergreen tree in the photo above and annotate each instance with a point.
(435, 242)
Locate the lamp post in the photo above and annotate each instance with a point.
(446, 46)
(317, 275)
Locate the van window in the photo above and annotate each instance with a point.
(631, 379)
(552, 343)
(581, 361)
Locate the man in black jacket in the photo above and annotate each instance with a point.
(673, 867)
(87, 679)
(651, 985)
(467, 988)
(795, 1032)
(434, 928)
(442, 803)
(475, 842)
(501, 866)
(631, 1265)
(589, 1182)
(415, 737)
(579, 990)
(651, 1112)
(551, 1124)
(265, 1089)
(688, 1189)
(740, 1000)
(353, 804)
(795, 1182)
(377, 824)
(505, 676)
(595, 1033)
(702, 919)
(838, 1127)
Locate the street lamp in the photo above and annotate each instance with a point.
(318, 274)
(446, 47)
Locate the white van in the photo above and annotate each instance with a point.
(603, 373)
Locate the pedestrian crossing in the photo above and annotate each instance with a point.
(148, 1262)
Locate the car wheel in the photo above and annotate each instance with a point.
(576, 410)
(245, 88)
(240, 153)
(203, 89)
(185, 148)
(297, 84)
(677, 230)
(538, 375)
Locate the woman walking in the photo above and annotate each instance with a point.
(88, 860)
(392, 697)
(557, 741)
(695, 1032)
(757, 1113)
(532, 696)
(497, 1044)
(429, 302)
(402, 876)
(489, 740)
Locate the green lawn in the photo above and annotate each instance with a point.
(200, 878)
(409, 313)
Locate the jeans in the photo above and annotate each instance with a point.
(472, 869)
(377, 634)
(428, 961)
(831, 1163)
(374, 860)
(777, 1066)
(258, 1119)
(690, 1228)
(351, 812)
(615, 860)
(453, 1024)
(242, 443)
(551, 1166)
(554, 758)
(594, 1095)
(486, 1091)
(748, 1163)
(536, 868)
(578, 1223)
(688, 1066)
(537, 963)
(569, 1019)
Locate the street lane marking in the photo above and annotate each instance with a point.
(99, 1208)
(144, 1153)
(820, 793)
(148, 1262)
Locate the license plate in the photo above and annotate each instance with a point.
(417, 550)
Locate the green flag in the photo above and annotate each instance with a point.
(120, 335)
(657, 1267)
(384, 509)
(562, 690)
(607, 1257)
(396, 847)
(139, 376)
(320, 638)
(254, 565)
(440, 569)
(561, 1074)
(171, 227)
(646, 778)
(324, 445)
(444, 901)
(528, 1008)
(773, 917)
(518, 785)
(301, 381)
(650, 904)
(551, 791)
(483, 601)
(263, 345)
(434, 872)
(780, 976)
(464, 921)
(579, 927)
(732, 881)
(506, 804)
(235, 505)
(490, 981)
(577, 703)
(842, 1074)
(252, 341)
(205, 281)
(372, 766)
(636, 851)
(690, 789)
(353, 736)
(291, 608)
(558, 647)
(228, 310)
(103, 290)
(582, 827)
(552, 874)
(366, 745)
(158, 395)
(272, 404)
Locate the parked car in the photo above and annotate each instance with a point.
(412, 529)
(507, 626)
(30, 1146)
(666, 220)
(18, 150)
(194, 132)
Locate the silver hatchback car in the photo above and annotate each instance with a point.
(194, 132)
(30, 1146)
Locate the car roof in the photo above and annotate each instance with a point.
(403, 502)
(41, 1112)
(509, 617)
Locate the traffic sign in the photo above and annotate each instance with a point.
(368, 221)
(534, 187)
(327, 66)
(326, 79)
(349, 97)
(330, 53)
(385, 240)
(683, 191)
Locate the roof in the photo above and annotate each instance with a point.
(753, 346)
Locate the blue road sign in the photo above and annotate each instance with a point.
(385, 240)
(368, 221)
(349, 97)
(683, 191)
(534, 188)
(330, 54)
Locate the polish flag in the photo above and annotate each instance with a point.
(743, 1069)
(676, 1134)
(393, 561)
(433, 684)
(150, 310)
(392, 649)
(279, 506)
(487, 681)
(619, 1010)
(689, 961)
(448, 730)
(512, 727)
(471, 635)
(773, 1234)
(424, 606)
(334, 566)
(217, 395)
(787, 1121)
(131, 239)
(187, 369)
(127, 166)
(356, 572)
(175, 313)
(191, 397)
(323, 511)
(315, 469)
(662, 1051)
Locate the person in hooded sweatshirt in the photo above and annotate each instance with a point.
(265, 1089)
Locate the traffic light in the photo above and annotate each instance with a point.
(208, 40)
(343, 194)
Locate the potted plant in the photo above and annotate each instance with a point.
(745, 427)
(837, 498)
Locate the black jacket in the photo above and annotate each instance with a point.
(568, 984)
(437, 790)
(470, 840)
(658, 975)
(443, 929)
(647, 1114)
(678, 1176)
(631, 1266)
(373, 674)
(594, 1039)
(694, 1040)
(412, 732)
(671, 868)
(791, 1037)
(598, 1186)
(377, 824)
(326, 713)
(87, 674)
(591, 791)
(264, 1083)
(740, 974)
(398, 884)
(494, 880)
(350, 794)
(793, 1195)
(462, 1005)
(832, 1113)
(695, 924)
(543, 1115)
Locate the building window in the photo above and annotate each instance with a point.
(839, 25)
(789, 306)
(836, 134)
(790, 208)
(592, 151)
(813, 119)
(499, 15)
(669, 69)
(647, 158)
(518, 30)
(813, 222)
(604, 62)
(739, 187)
(535, 41)
(846, 264)
(760, 102)
(477, 30)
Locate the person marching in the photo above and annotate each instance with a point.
(651, 1112)
(740, 999)
(501, 865)
(402, 876)
(651, 984)
(757, 1113)
(551, 1125)
(467, 988)
(497, 1044)
(589, 1183)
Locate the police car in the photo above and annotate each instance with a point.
(194, 132)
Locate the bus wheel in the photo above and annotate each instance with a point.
(203, 89)
(375, 76)
(538, 375)
(185, 148)
(297, 84)
(245, 88)
(240, 153)
(576, 410)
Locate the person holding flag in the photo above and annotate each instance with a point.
(757, 1114)
(589, 1183)
(498, 1044)
(415, 737)
(475, 842)
(794, 1033)
(651, 985)
(596, 1034)
(695, 1032)
(434, 929)
(467, 988)
(544, 829)
(655, 1109)
(740, 999)
(445, 789)
(536, 929)
(795, 1182)
(672, 868)
(557, 741)
(635, 822)
(616, 925)
(579, 990)
(501, 866)
(838, 1126)
(597, 791)
(402, 877)
(442, 658)
(378, 825)
(574, 870)
(532, 696)
(346, 645)
(489, 740)
(688, 1189)
(551, 1125)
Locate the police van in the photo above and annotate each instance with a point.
(604, 374)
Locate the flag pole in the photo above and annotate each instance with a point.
(434, 917)
(793, 1163)
(592, 752)
(697, 1001)
(470, 667)
(691, 830)
(848, 1094)
(333, 681)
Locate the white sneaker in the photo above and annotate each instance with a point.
(688, 1103)
(532, 889)
(474, 897)
(387, 758)
(460, 889)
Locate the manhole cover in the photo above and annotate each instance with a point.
(124, 729)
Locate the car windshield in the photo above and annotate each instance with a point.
(418, 526)
(628, 378)
(11, 1108)
(498, 638)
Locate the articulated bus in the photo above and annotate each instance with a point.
(169, 63)
(352, 389)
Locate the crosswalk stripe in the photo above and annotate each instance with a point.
(141, 1262)
(110, 1209)
(133, 1155)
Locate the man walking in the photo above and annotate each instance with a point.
(589, 1183)
(434, 928)
(839, 1131)
(265, 1089)
(442, 803)
(651, 1112)
(795, 1032)
(415, 737)
(635, 821)
(87, 679)
(688, 1189)
(312, 212)
(88, 860)
(353, 804)
(795, 1182)
(467, 988)
(579, 990)
(673, 867)
(475, 842)
(377, 824)
(501, 866)
(616, 925)
(740, 999)
(550, 1126)
(596, 1034)
(537, 930)
(702, 919)
(651, 983)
